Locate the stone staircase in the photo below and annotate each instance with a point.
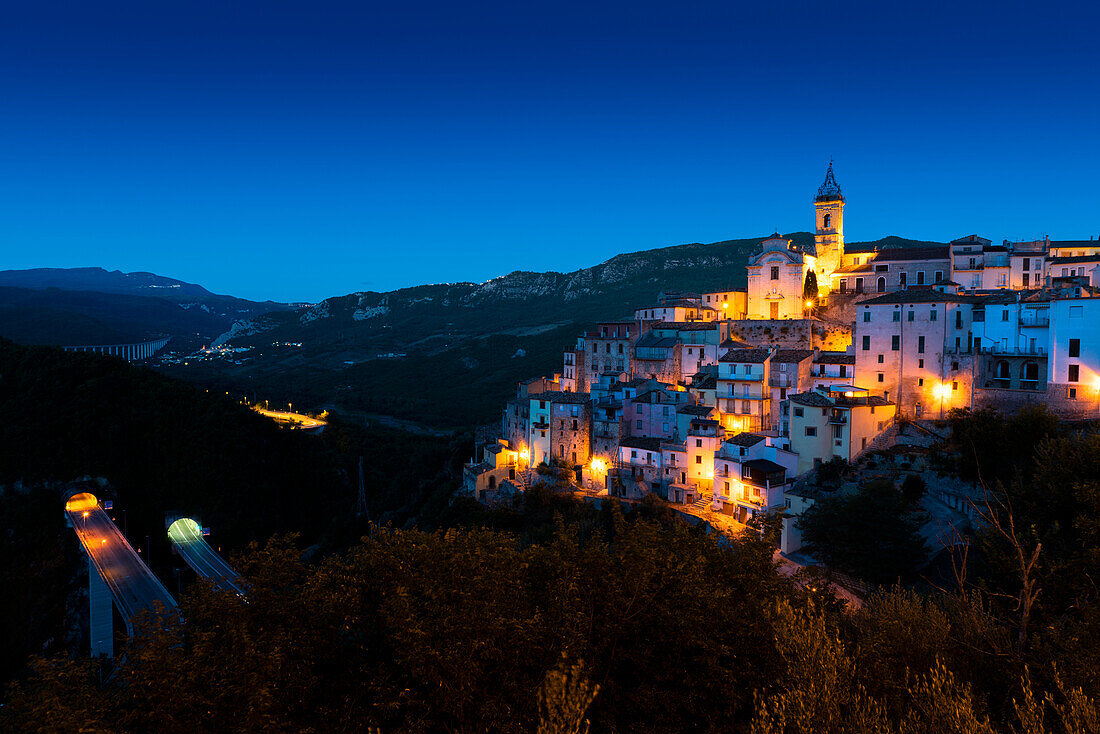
(884, 440)
(704, 503)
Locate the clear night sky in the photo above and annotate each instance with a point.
(300, 150)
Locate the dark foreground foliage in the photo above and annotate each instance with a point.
(632, 624)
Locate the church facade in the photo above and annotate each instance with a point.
(778, 274)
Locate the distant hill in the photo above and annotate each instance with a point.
(79, 306)
(467, 343)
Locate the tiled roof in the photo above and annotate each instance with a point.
(812, 398)
(687, 325)
(745, 439)
(764, 465)
(757, 356)
(696, 410)
(792, 355)
(844, 402)
(835, 358)
(1075, 259)
(905, 254)
(641, 442)
(918, 296)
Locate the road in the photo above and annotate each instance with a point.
(186, 535)
(133, 586)
(302, 421)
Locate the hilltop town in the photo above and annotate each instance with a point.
(724, 400)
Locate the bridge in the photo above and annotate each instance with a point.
(186, 536)
(129, 352)
(115, 573)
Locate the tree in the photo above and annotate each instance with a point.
(809, 288)
(872, 533)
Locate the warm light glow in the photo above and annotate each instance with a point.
(809, 304)
(524, 454)
(943, 391)
(599, 466)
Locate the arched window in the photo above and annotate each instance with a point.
(1029, 374)
(882, 285)
(828, 218)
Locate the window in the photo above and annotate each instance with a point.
(1073, 393)
(639, 425)
(932, 315)
(895, 343)
(1027, 264)
(633, 454)
(954, 385)
(620, 349)
(811, 430)
(595, 348)
(733, 369)
(882, 268)
(1026, 279)
(939, 275)
(910, 316)
(1074, 373)
(897, 315)
(1075, 347)
(881, 285)
(866, 317)
(866, 343)
(880, 377)
(828, 218)
(638, 409)
(1004, 314)
(881, 358)
(920, 364)
(902, 280)
(746, 407)
(843, 370)
(698, 459)
(775, 272)
(920, 277)
(920, 345)
(798, 412)
(954, 366)
(920, 382)
(838, 431)
(698, 443)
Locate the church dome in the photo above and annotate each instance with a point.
(830, 190)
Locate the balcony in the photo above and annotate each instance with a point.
(781, 381)
(839, 419)
(1041, 322)
(1010, 350)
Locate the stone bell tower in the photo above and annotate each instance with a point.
(829, 232)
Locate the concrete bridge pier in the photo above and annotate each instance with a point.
(101, 622)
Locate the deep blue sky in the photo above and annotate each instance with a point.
(300, 150)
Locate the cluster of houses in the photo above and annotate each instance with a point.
(723, 399)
